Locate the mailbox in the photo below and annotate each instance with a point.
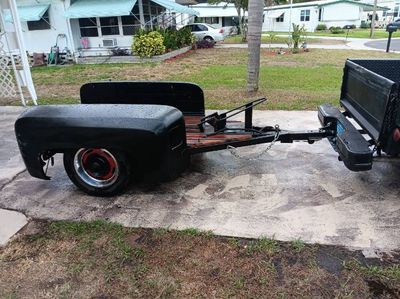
(391, 28)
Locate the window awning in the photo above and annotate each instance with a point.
(27, 13)
(273, 14)
(99, 8)
(176, 7)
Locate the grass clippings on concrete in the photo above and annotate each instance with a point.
(103, 260)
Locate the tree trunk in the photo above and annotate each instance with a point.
(371, 34)
(241, 31)
(255, 20)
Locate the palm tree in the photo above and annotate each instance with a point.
(371, 33)
(255, 21)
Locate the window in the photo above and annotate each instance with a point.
(129, 25)
(230, 21)
(88, 27)
(109, 26)
(320, 15)
(207, 20)
(202, 28)
(198, 28)
(305, 15)
(42, 24)
(280, 18)
(396, 11)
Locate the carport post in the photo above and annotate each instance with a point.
(22, 50)
(141, 15)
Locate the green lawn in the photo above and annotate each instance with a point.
(356, 33)
(290, 81)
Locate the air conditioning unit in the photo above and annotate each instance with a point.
(110, 42)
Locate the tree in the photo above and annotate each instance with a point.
(241, 6)
(371, 34)
(255, 21)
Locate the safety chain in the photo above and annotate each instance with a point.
(234, 152)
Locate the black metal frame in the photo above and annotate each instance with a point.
(259, 135)
(218, 121)
(284, 137)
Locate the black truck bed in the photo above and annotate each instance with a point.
(370, 95)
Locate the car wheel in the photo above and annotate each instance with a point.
(209, 39)
(98, 171)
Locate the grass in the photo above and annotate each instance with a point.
(353, 33)
(102, 260)
(263, 245)
(298, 245)
(290, 82)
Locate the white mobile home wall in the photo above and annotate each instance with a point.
(42, 40)
(338, 14)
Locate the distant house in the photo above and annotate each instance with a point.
(91, 27)
(220, 15)
(384, 17)
(310, 14)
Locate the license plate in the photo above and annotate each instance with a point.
(340, 128)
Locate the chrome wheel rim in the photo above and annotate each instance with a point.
(96, 167)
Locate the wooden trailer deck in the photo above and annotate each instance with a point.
(197, 139)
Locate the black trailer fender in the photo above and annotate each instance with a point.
(154, 134)
(186, 97)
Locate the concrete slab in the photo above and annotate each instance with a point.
(294, 191)
(10, 160)
(10, 223)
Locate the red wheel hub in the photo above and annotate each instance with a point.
(98, 163)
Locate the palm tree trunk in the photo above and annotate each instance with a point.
(255, 20)
(371, 34)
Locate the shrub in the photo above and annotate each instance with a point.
(148, 44)
(321, 27)
(204, 44)
(174, 39)
(185, 37)
(170, 39)
(349, 26)
(336, 30)
(297, 36)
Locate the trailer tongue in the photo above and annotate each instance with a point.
(123, 129)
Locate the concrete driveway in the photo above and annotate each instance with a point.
(381, 44)
(294, 191)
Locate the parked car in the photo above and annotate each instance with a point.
(207, 32)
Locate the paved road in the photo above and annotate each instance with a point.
(294, 191)
(381, 44)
